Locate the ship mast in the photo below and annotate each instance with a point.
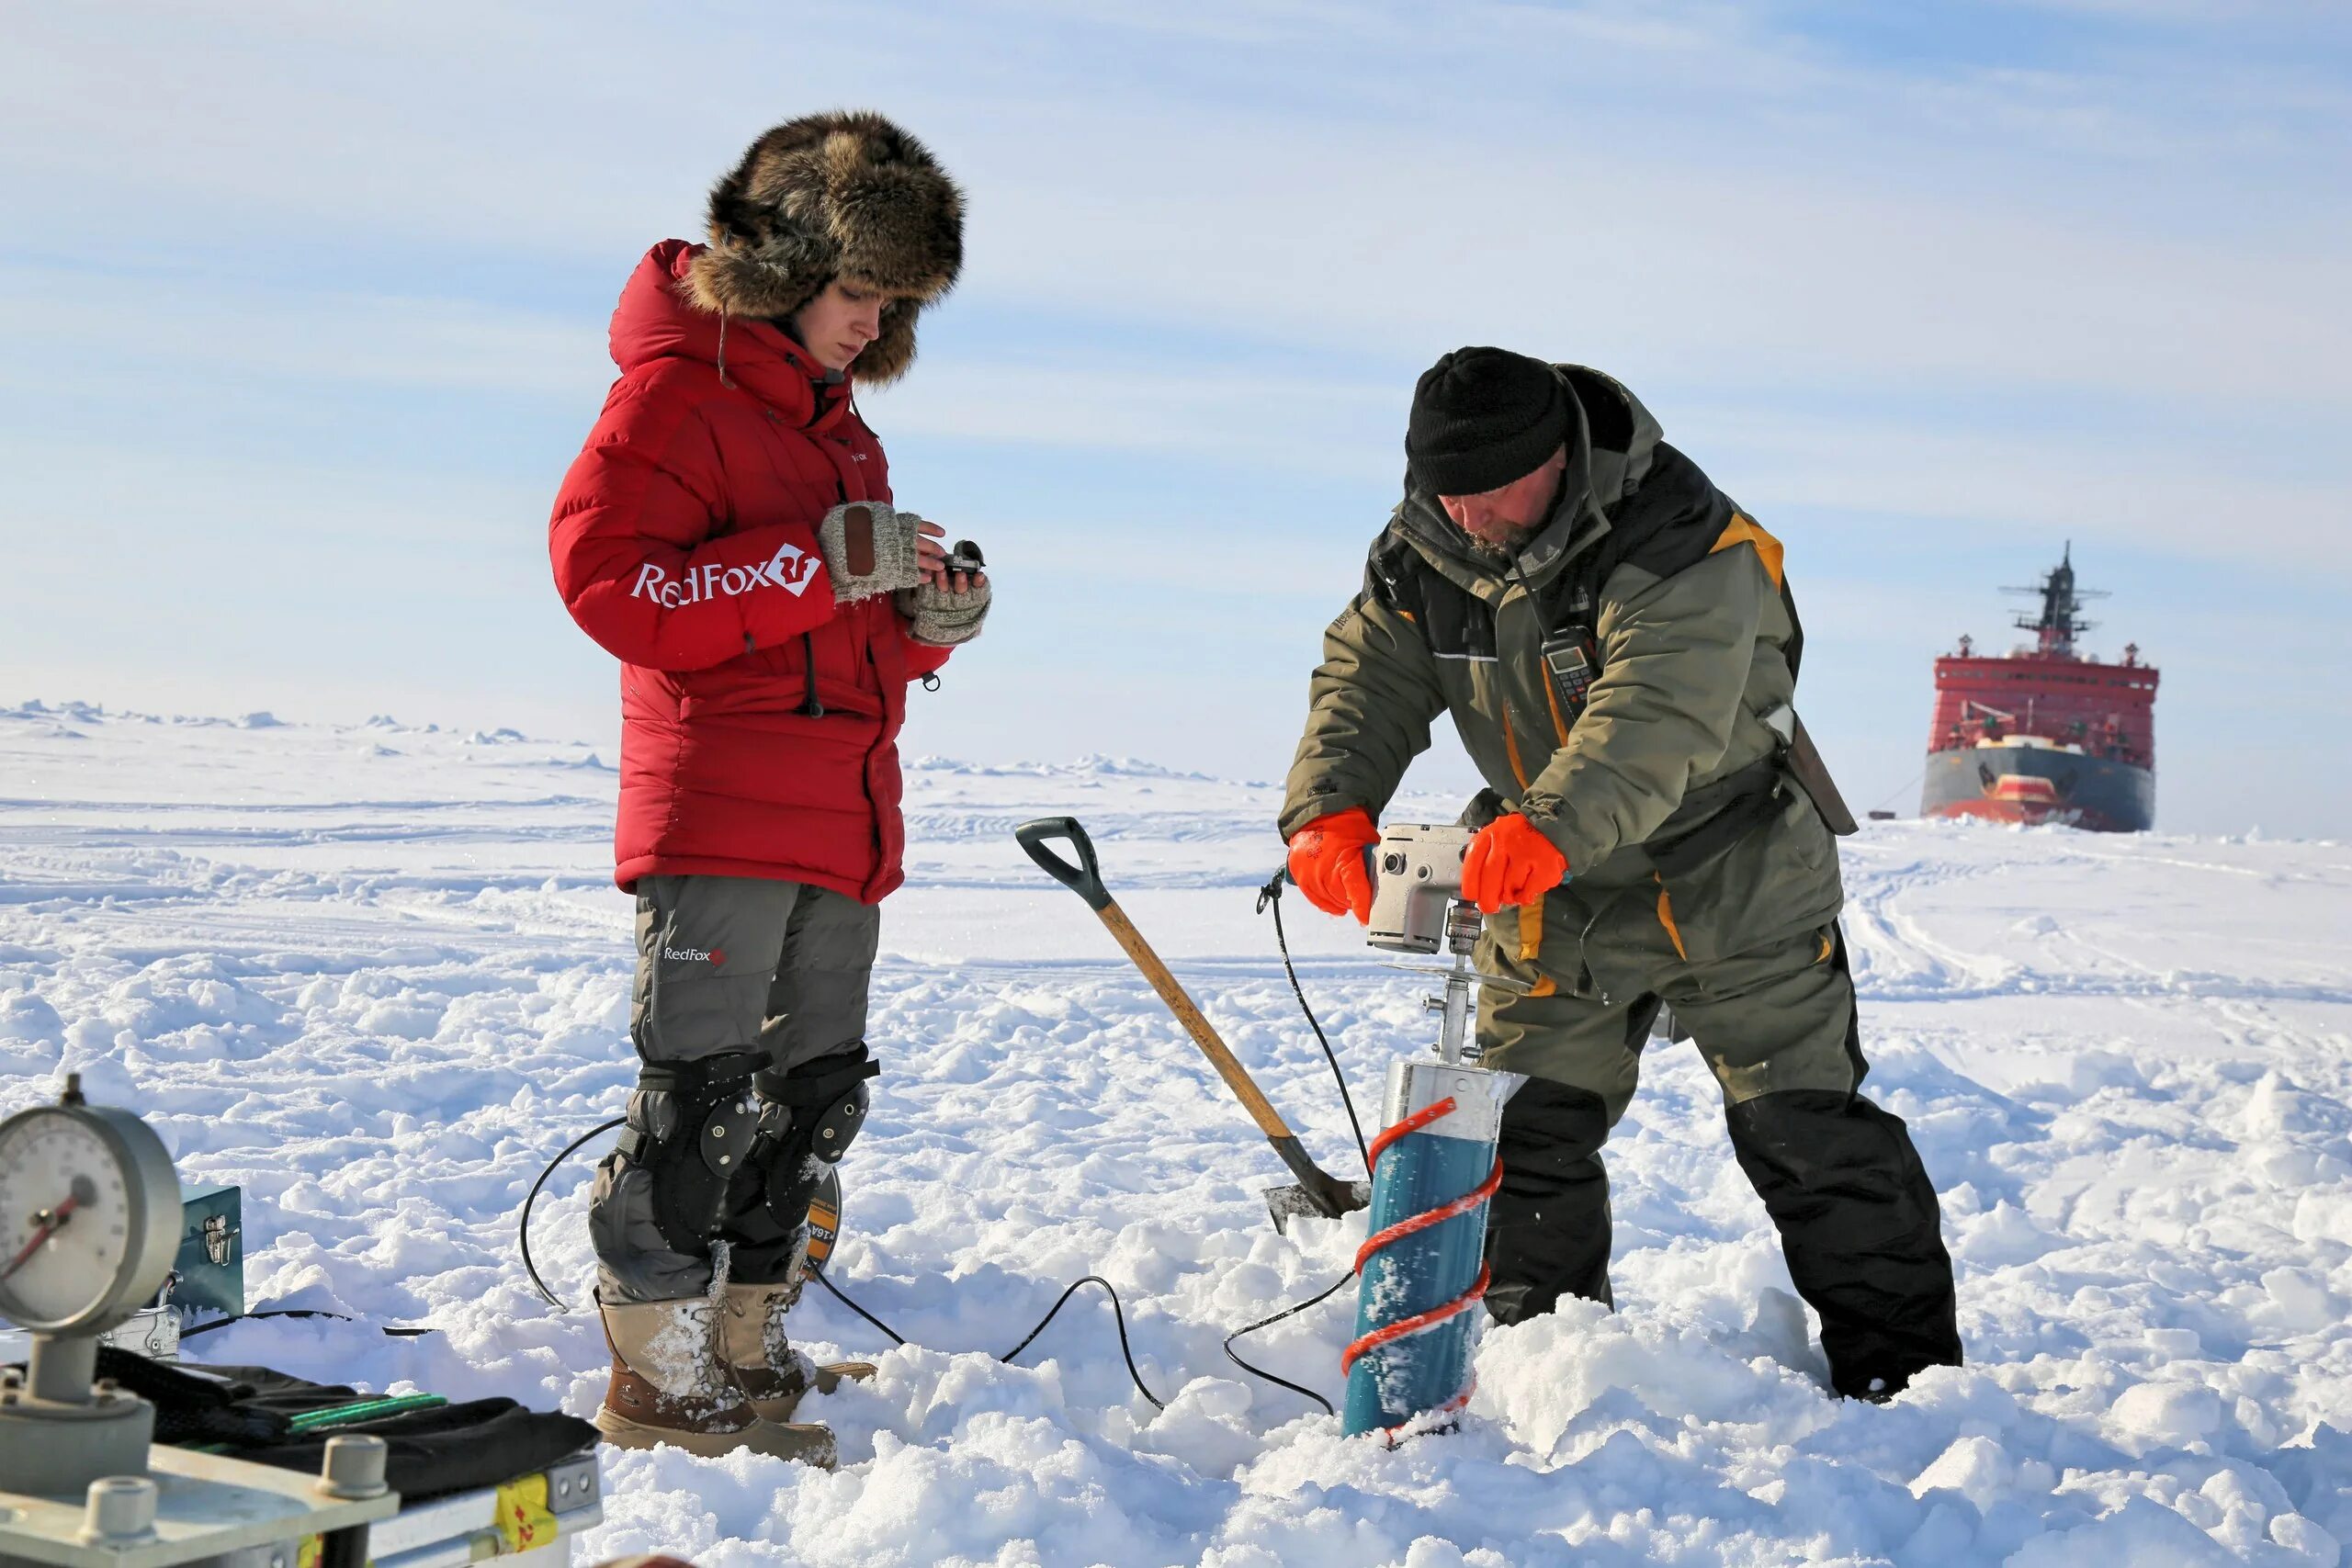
(2062, 602)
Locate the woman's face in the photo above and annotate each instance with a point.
(838, 323)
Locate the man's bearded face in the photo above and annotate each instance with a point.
(1498, 521)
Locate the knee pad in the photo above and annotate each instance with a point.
(705, 1128)
(808, 1118)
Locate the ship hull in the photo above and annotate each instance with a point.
(2039, 784)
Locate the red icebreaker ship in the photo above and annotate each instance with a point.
(2045, 734)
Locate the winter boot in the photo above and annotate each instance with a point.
(772, 1374)
(670, 1386)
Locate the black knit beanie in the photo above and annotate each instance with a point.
(1483, 417)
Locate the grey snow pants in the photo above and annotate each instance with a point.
(726, 964)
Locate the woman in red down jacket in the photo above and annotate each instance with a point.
(727, 533)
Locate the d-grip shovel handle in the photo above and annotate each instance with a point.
(1317, 1192)
(1085, 878)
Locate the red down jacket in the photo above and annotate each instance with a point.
(684, 542)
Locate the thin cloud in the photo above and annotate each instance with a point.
(1844, 259)
(199, 324)
(2090, 288)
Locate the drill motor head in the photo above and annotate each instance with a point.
(1416, 877)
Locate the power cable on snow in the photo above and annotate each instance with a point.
(1269, 896)
(1117, 1312)
(523, 1226)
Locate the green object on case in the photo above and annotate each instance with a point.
(365, 1410)
(210, 1272)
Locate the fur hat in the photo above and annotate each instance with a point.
(846, 194)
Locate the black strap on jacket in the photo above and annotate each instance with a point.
(1716, 815)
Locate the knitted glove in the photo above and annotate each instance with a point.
(1510, 862)
(869, 548)
(1327, 862)
(941, 617)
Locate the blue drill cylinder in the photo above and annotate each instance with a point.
(1442, 1163)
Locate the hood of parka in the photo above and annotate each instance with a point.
(1609, 446)
(655, 319)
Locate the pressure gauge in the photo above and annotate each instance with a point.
(89, 1217)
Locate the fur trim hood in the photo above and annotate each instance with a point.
(845, 194)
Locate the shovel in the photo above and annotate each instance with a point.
(1317, 1191)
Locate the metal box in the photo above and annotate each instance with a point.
(531, 1519)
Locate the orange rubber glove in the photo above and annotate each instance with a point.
(1327, 862)
(1510, 862)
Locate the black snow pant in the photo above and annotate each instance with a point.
(735, 975)
(1857, 1215)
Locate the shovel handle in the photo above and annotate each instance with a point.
(1196, 1024)
(1085, 878)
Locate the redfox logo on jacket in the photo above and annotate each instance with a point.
(789, 568)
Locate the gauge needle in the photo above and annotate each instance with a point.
(53, 1221)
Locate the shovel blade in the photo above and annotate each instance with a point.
(1327, 1199)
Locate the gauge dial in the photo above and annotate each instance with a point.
(89, 1217)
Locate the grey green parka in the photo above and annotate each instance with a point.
(1673, 644)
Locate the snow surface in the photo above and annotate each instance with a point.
(376, 976)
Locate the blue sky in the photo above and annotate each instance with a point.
(309, 304)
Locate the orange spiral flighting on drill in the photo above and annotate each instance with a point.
(1429, 1318)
